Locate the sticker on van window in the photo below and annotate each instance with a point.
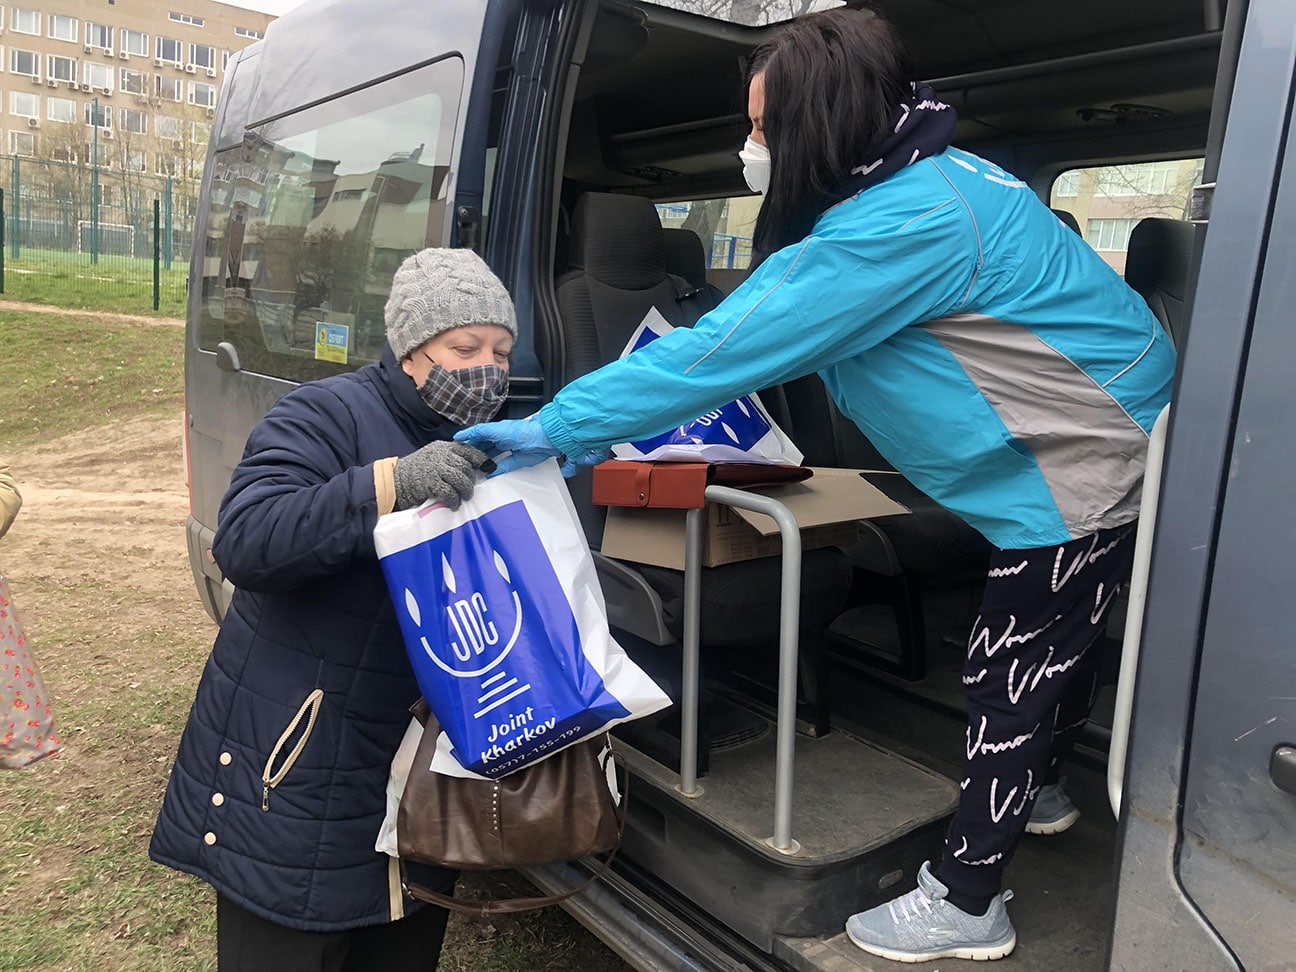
(331, 342)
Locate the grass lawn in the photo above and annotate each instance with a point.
(60, 373)
(121, 285)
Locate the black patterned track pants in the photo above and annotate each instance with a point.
(1031, 674)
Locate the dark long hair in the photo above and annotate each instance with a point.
(832, 81)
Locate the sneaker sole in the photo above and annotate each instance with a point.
(974, 953)
(1045, 827)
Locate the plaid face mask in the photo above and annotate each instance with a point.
(466, 396)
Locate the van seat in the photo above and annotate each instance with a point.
(686, 259)
(1069, 220)
(1158, 265)
(618, 272)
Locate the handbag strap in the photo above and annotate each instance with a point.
(484, 909)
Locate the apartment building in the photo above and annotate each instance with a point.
(143, 73)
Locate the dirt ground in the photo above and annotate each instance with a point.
(99, 572)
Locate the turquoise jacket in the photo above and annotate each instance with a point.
(986, 351)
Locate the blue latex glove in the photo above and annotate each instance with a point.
(526, 444)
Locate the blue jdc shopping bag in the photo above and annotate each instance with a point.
(505, 624)
(740, 431)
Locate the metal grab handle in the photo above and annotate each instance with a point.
(789, 624)
(1134, 614)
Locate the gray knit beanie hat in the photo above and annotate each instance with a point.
(439, 289)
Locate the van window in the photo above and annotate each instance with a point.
(311, 215)
(1108, 201)
(725, 226)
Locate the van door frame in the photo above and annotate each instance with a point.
(1157, 923)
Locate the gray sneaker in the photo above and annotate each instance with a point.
(922, 925)
(1053, 811)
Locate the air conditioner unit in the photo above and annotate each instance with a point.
(89, 48)
(142, 99)
(158, 62)
(105, 133)
(106, 91)
(190, 69)
(72, 84)
(124, 55)
(35, 79)
(211, 112)
(87, 87)
(211, 72)
(33, 123)
(53, 83)
(108, 52)
(177, 144)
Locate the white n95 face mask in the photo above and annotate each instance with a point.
(756, 165)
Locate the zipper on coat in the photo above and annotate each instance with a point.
(308, 711)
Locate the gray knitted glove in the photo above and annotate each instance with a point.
(441, 471)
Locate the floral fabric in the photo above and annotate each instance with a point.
(26, 720)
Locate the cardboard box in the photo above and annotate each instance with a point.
(826, 507)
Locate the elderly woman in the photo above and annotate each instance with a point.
(278, 789)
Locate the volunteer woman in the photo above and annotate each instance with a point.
(278, 790)
(985, 350)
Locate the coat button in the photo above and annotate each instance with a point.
(218, 799)
(209, 838)
(226, 759)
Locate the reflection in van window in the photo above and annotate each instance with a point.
(1108, 201)
(313, 213)
(724, 226)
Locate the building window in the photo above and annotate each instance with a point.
(63, 28)
(97, 75)
(134, 161)
(24, 21)
(249, 32)
(62, 68)
(60, 109)
(24, 62)
(22, 143)
(169, 165)
(1109, 234)
(169, 89)
(1067, 185)
(135, 42)
(63, 153)
(202, 56)
(98, 35)
(184, 18)
(202, 94)
(130, 120)
(225, 56)
(24, 103)
(199, 133)
(169, 49)
(102, 118)
(133, 82)
(167, 127)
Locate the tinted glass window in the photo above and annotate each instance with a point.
(724, 225)
(1109, 200)
(311, 215)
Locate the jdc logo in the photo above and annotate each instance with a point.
(470, 645)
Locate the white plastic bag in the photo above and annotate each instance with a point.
(504, 621)
(741, 431)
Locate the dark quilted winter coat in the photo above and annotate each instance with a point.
(278, 788)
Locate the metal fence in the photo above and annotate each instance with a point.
(94, 237)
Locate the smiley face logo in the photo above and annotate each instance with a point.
(475, 635)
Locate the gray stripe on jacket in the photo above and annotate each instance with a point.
(1090, 451)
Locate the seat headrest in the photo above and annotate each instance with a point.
(617, 240)
(1069, 219)
(1160, 256)
(686, 256)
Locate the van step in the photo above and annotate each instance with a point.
(863, 817)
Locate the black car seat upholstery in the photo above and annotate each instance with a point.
(1158, 265)
(618, 271)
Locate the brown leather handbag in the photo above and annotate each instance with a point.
(559, 809)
